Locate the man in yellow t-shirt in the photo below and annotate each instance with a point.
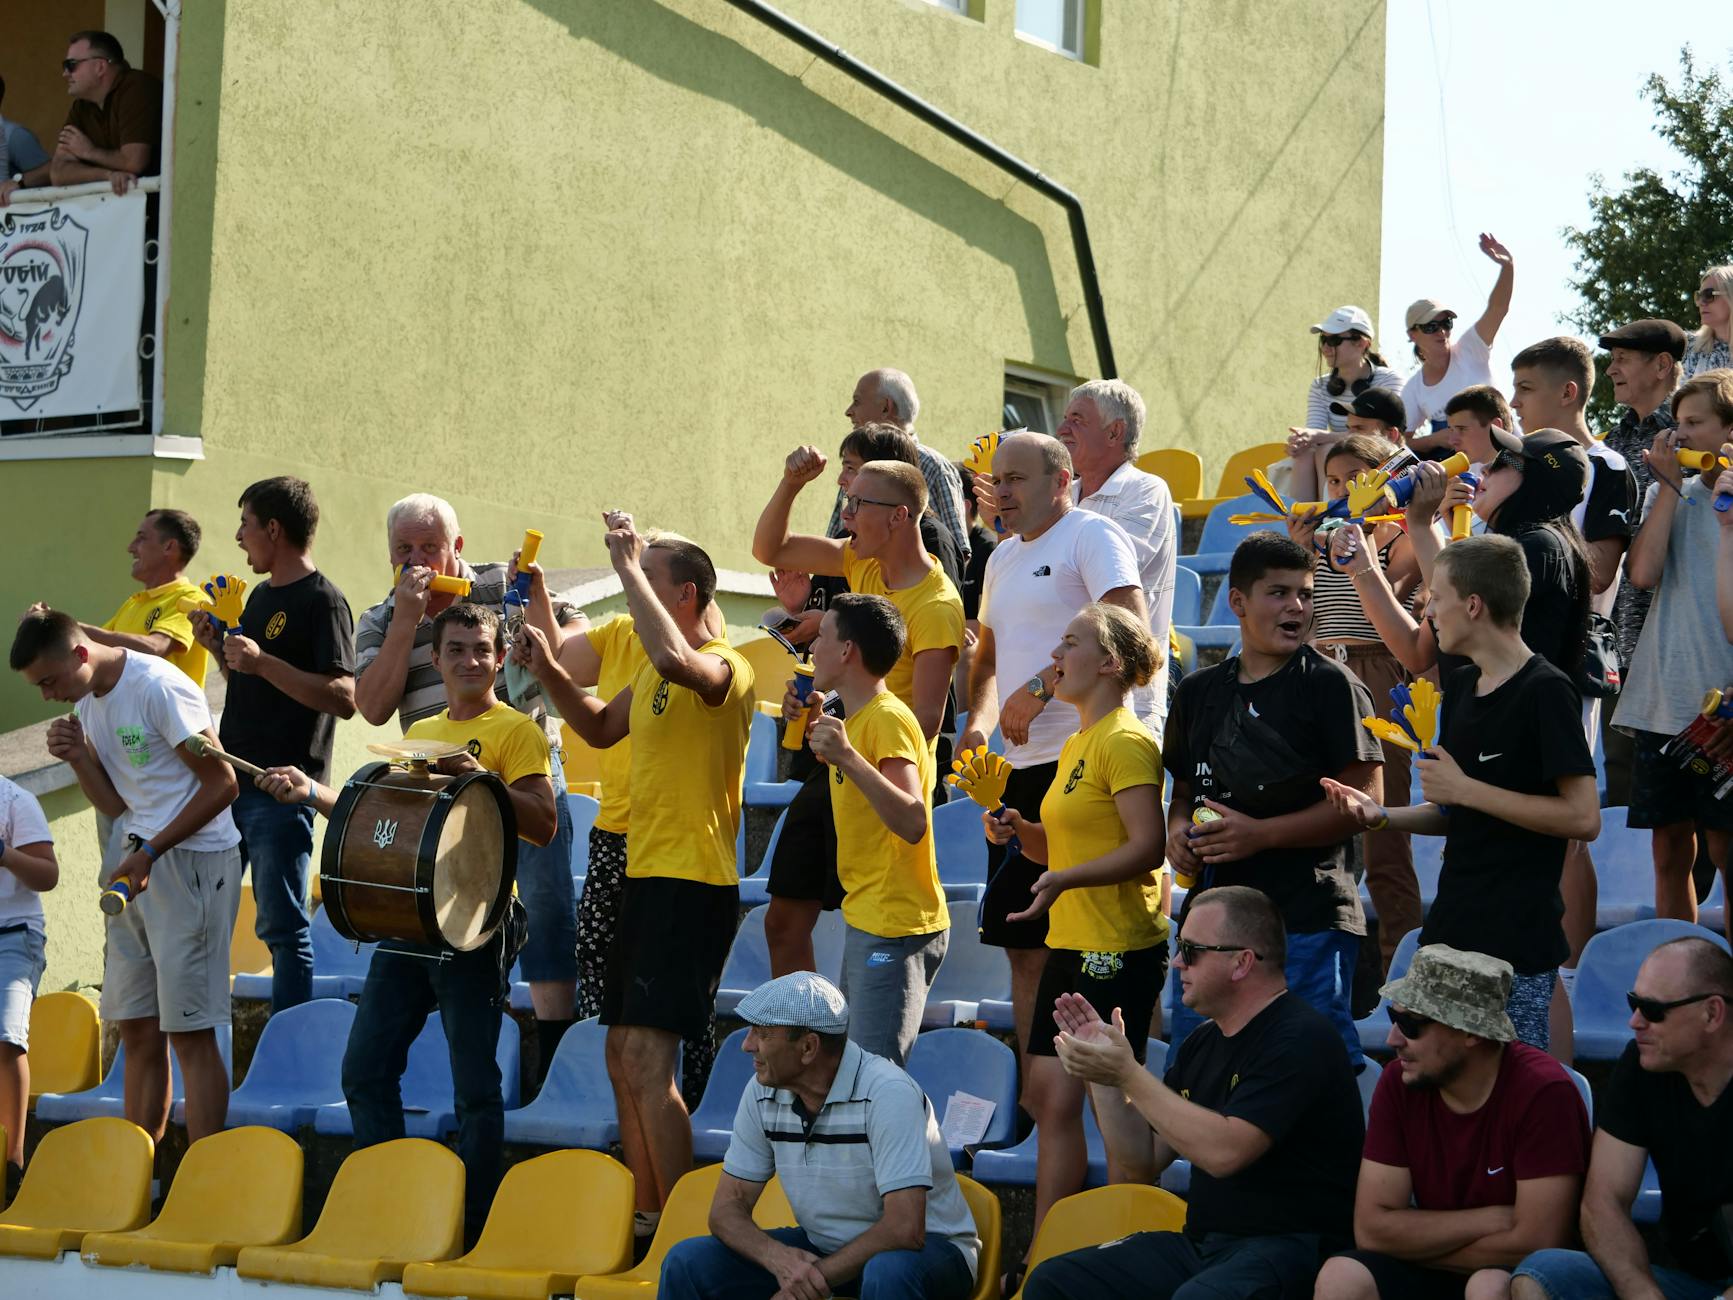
(467, 988)
(880, 797)
(151, 621)
(688, 711)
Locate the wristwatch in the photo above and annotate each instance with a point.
(1038, 689)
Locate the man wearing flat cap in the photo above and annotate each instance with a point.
(855, 1143)
(1476, 1146)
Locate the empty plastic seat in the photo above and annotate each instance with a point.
(959, 843)
(1215, 546)
(429, 1103)
(763, 790)
(1428, 864)
(1104, 1214)
(989, 1226)
(1625, 870)
(1606, 973)
(713, 1121)
(1187, 597)
(297, 1066)
(1712, 912)
(92, 1176)
(1179, 468)
(748, 963)
(339, 966)
(583, 810)
(107, 1098)
(944, 1061)
(575, 1107)
(972, 973)
(390, 1206)
(247, 952)
(1647, 1207)
(554, 1219)
(1374, 1027)
(65, 1044)
(234, 1189)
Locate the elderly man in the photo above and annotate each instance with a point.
(113, 132)
(1669, 1101)
(1102, 428)
(856, 1145)
(1053, 560)
(1260, 1100)
(1475, 1147)
(888, 397)
(395, 672)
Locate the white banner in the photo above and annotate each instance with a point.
(71, 304)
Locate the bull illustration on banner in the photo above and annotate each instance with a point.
(42, 262)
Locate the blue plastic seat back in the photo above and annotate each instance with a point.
(748, 963)
(761, 746)
(1374, 1027)
(1220, 535)
(1187, 596)
(713, 1121)
(583, 810)
(959, 843)
(338, 967)
(972, 971)
(575, 1107)
(297, 1065)
(944, 1061)
(1625, 870)
(108, 1097)
(1585, 1092)
(1606, 973)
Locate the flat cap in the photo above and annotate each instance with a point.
(1648, 336)
(800, 1000)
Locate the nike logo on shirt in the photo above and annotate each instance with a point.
(1492, 1172)
(1487, 758)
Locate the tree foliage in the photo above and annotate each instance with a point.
(1647, 243)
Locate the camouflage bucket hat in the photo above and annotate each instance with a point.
(1464, 990)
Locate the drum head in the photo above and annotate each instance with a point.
(469, 866)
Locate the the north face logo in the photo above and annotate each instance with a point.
(1045, 571)
(41, 288)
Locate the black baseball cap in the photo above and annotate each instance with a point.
(1381, 404)
(1655, 336)
(1555, 469)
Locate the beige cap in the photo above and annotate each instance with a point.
(1426, 309)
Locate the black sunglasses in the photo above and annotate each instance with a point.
(1655, 1011)
(1436, 326)
(1411, 1025)
(1188, 950)
(1336, 340)
(71, 65)
(1707, 295)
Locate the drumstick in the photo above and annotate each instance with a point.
(203, 748)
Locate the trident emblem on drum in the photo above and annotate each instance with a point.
(384, 832)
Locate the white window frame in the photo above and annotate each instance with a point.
(1046, 389)
(1078, 30)
(955, 6)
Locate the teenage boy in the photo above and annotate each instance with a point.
(1513, 770)
(166, 975)
(880, 798)
(290, 670)
(407, 981)
(28, 869)
(1472, 413)
(151, 620)
(1682, 651)
(1248, 741)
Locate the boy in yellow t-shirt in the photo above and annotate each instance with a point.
(880, 798)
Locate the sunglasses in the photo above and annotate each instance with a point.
(71, 65)
(1436, 326)
(1411, 1025)
(1708, 295)
(1337, 340)
(1655, 1011)
(852, 505)
(1188, 951)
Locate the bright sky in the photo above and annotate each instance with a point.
(1496, 115)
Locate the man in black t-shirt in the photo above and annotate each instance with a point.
(1514, 772)
(290, 671)
(1670, 1100)
(1258, 1100)
(1248, 740)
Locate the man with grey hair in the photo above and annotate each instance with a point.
(395, 673)
(1102, 429)
(886, 396)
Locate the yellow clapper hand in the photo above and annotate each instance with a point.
(980, 461)
(981, 774)
(1366, 493)
(223, 601)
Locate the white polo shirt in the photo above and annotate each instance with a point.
(1142, 505)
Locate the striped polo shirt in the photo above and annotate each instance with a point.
(875, 1134)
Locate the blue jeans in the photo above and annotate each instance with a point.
(1320, 970)
(277, 840)
(1174, 1266)
(702, 1268)
(401, 990)
(544, 883)
(1574, 1275)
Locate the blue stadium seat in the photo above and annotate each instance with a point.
(1215, 545)
(1625, 869)
(583, 810)
(1187, 597)
(713, 1121)
(1586, 1092)
(1374, 1027)
(1367, 1082)
(960, 844)
(944, 1061)
(339, 967)
(1605, 974)
(575, 1107)
(748, 963)
(1223, 629)
(972, 973)
(763, 790)
(297, 1067)
(1712, 912)
(108, 1097)
(1428, 853)
(1647, 1207)
(429, 1110)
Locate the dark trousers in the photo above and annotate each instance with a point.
(401, 989)
(1174, 1266)
(277, 843)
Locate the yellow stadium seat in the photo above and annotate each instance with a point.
(390, 1206)
(1180, 469)
(65, 1044)
(687, 1214)
(92, 1176)
(1104, 1214)
(985, 1207)
(772, 666)
(579, 761)
(235, 1189)
(1233, 480)
(246, 951)
(556, 1218)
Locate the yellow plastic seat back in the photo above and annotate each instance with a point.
(1244, 461)
(247, 952)
(390, 1206)
(989, 1227)
(65, 1044)
(1180, 469)
(1105, 1214)
(579, 761)
(555, 1218)
(92, 1176)
(687, 1214)
(772, 666)
(232, 1190)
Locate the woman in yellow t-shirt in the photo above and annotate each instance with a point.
(1103, 838)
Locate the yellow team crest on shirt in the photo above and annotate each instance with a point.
(274, 628)
(151, 618)
(660, 701)
(1075, 777)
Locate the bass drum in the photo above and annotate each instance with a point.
(413, 855)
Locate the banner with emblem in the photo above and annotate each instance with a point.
(71, 305)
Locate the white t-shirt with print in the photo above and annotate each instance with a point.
(21, 822)
(1470, 364)
(1031, 592)
(135, 729)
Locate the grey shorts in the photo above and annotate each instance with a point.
(168, 952)
(23, 958)
(886, 983)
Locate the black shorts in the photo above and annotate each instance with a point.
(1130, 981)
(1009, 877)
(1664, 793)
(668, 951)
(804, 865)
(1398, 1277)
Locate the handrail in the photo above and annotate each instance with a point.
(970, 139)
(55, 193)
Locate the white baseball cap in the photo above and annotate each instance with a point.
(1344, 319)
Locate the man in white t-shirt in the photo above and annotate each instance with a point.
(1053, 560)
(1447, 367)
(27, 871)
(1101, 429)
(166, 980)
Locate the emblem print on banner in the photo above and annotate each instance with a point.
(41, 287)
